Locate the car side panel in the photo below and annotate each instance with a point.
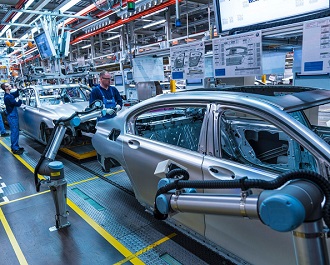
(31, 119)
(264, 246)
(142, 157)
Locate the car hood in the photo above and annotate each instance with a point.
(66, 110)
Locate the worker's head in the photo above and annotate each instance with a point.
(5, 86)
(105, 79)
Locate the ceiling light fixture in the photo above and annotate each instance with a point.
(154, 23)
(78, 42)
(18, 14)
(156, 12)
(68, 5)
(114, 37)
(86, 46)
(111, 30)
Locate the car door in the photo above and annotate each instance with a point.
(25, 94)
(29, 114)
(162, 134)
(245, 145)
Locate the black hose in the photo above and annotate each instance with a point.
(178, 172)
(246, 183)
(37, 182)
(93, 103)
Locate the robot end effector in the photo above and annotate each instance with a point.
(291, 193)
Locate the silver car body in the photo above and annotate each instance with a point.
(44, 104)
(155, 130)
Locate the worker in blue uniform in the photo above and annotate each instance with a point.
(110, 96)
(12, 116)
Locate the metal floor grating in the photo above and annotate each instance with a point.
(123, 217)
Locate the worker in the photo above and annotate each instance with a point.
(112, 101)
(12, 116)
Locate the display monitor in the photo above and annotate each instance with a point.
(118, 80)
(45, 45)
(194, 81)
(241, 13)
(129, 76)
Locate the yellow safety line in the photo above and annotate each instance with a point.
(19, 158)
(113, 173)
(24, 198)
(140, 252)
(92, 178)
(113, 241)
(43, 192)
(13, 241)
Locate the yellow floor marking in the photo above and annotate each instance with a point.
(109, 174)
(114, 242)
(140, 252)
(19, 158)
(92, 178)
(13, 241)
(24, 198)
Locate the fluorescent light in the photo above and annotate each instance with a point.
(110, 30)
(86, 46)
(78, 42)
(154, 23)
(114, 37)
(68, 5)
(17, 15)
(154, 13)
(4, 30)
(28, 4)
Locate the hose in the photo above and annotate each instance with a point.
(178, 172)
(37, 182)
(246, 183)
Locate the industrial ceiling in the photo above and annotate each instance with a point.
(94, 21)
(105, 26)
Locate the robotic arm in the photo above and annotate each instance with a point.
(296, 206)
(54, 169)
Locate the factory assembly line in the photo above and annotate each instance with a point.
(295, 201)
(97, 219)
(164, 132)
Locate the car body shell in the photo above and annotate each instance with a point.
(42, 105)
(120, 139)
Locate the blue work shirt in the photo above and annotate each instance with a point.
(10, 102)
(98, 92)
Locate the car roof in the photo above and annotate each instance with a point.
(288, 98)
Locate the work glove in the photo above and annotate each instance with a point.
(111, 111)
(118, 108)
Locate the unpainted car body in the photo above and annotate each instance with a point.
(257, 132)
(44, 104)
